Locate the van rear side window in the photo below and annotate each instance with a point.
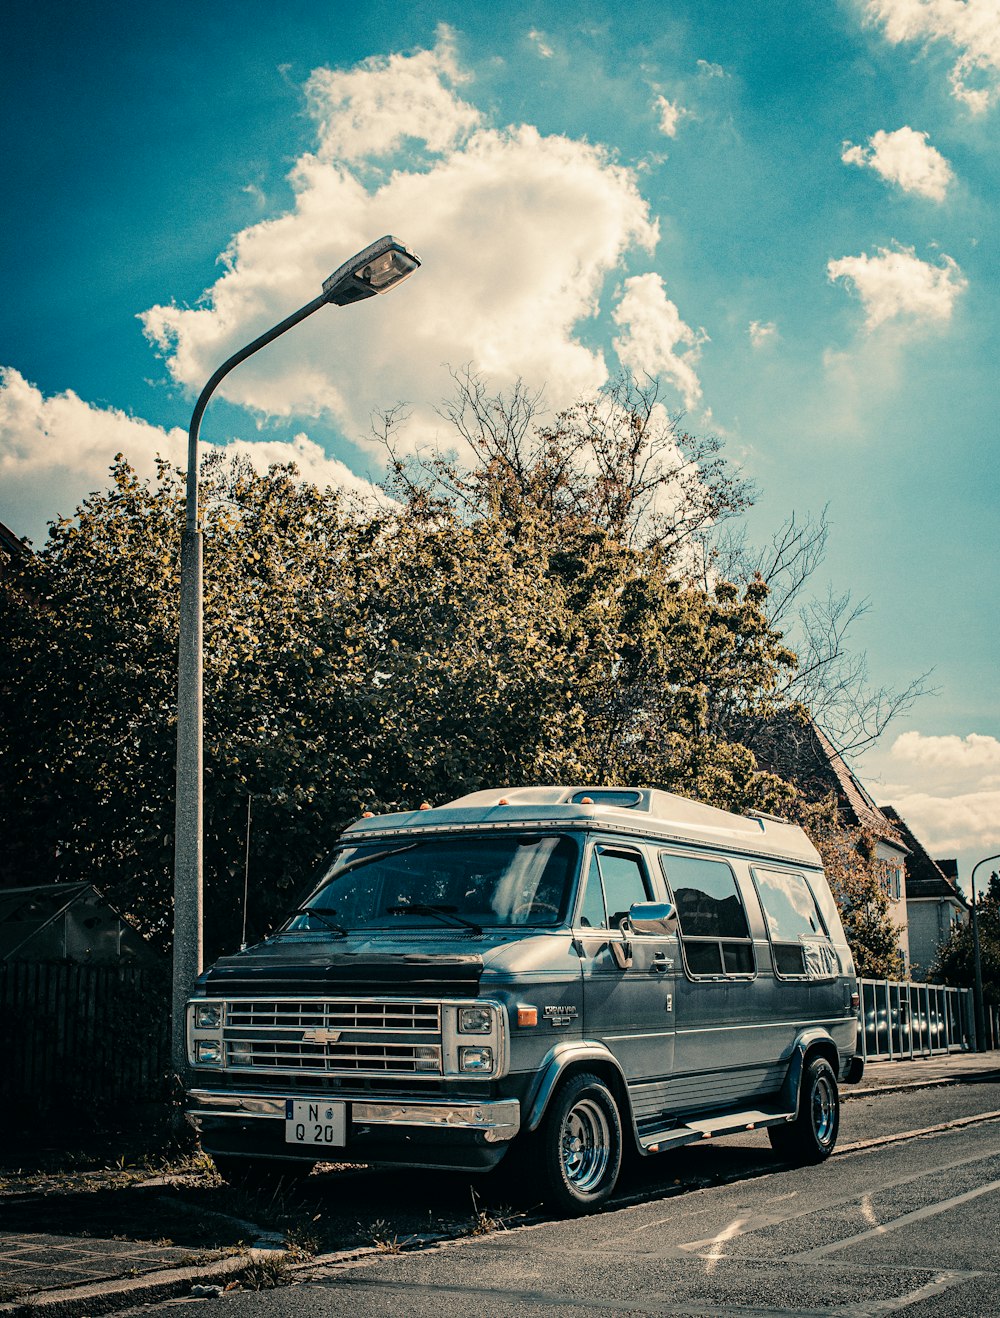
(715, 934)
(795, 927)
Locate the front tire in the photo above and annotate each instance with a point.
(812, 1136)
(581, 1145)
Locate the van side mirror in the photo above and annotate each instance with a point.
(653, 918)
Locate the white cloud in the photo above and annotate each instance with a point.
(947, 788)
(652, 333)
(972, 761)
(896, 284)
(368, 111)
(671, 115)
(541, 43)
(763, 333)
(906, 158)
(708, 70)
(518, 233)
(54, 451)
(972, 27)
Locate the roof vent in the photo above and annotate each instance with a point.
(623, 800)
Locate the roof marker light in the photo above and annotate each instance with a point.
(368, 814)
(586, 800)
(424, 805)
(503, 801)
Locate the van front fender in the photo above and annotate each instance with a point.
(559, 1060)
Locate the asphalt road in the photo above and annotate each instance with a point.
(896, 1222)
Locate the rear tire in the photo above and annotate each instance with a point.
(812, 1136)
(581, 1145)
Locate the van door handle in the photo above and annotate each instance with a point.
(662, 962)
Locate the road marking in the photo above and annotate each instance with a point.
(918, 1214)
(761, 1221)
(734, 1228)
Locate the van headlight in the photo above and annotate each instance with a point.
(207, 1015)
(475, 1020)
(475, 1059)
(474, 1038)
(208, 1052)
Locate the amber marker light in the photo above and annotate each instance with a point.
(527, 1016)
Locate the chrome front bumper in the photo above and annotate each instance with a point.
(496, 1122)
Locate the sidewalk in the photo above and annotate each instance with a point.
(94, 1243)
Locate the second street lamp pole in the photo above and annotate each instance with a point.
(376, 269)
(978, 963)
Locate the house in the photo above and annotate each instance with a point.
(933, 902)
(11, 548)
(67, 922)
(797, 750)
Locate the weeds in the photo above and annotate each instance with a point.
(483, 1221)
(382, 1240)
(265, 1274)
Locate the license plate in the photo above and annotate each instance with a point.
(312, 1122)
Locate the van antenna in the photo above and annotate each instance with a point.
(246, 878)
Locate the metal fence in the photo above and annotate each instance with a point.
(902, 1019)
(82, 1040)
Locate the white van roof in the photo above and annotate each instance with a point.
(636, 810)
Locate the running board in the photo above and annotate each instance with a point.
(723, 1123)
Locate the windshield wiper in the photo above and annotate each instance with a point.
(330, 924)
(370, 859)
(446, 914)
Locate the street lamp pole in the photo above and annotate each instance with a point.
(978, 962)
(376, 269)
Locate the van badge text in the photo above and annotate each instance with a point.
(561, 1015)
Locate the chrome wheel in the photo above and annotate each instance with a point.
(580, 1144)
(586, 1145)
(811, 1137)
(824, 1110)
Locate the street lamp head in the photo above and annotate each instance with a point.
(378, 268)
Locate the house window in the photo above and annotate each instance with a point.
(799, 941)
(715, 935)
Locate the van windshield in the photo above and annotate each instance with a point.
(470, 881)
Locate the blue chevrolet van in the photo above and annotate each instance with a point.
(550, 974)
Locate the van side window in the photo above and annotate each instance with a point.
(592, 913)
(615, 881)
(624, 879)
(715, 935)
(799, 940)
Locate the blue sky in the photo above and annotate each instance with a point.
(788, 211)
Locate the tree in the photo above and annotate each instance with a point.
(528, 613)
(955, 959)
(617, 462)
(859, 881)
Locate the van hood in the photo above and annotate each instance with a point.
(355, 964)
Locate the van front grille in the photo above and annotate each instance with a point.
(354, 1037)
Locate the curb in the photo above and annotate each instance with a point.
(123, 1292)
(929, 1082)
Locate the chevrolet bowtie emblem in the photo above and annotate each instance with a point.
(321, 1036)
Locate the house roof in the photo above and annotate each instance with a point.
(800, 752)
(11, 545)
(25, 911)
(925, 878)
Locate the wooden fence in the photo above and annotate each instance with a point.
(82, 1045)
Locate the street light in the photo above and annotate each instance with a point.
(376, 269)
(978, 963)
